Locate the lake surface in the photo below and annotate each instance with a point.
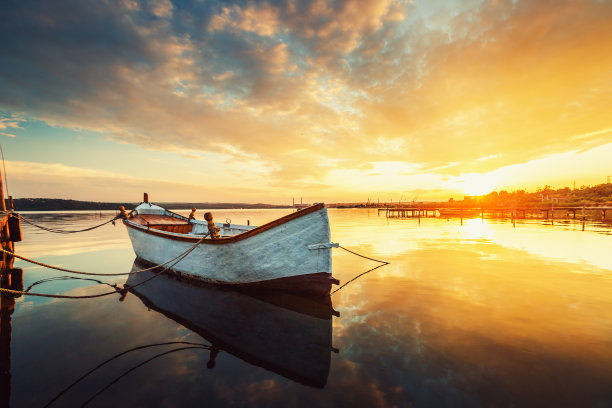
(474, 315)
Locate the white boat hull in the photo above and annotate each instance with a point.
(296, 248)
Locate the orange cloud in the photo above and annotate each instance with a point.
(453, 87)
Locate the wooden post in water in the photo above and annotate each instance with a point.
(7, 307)
(552, 213)
(2, 193)
(583, 217)
(9, 279)
(4, 229)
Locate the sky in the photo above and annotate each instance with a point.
(329, 100)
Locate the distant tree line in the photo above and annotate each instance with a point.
(599, 195)
(56, 204)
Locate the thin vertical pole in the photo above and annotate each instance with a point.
(2, 193)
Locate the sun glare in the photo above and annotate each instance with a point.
(476, 183)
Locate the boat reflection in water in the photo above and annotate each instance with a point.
(284, 333)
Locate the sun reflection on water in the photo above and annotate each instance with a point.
(479, 314)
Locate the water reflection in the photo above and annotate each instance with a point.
(184, 345)
(287, 334)
(476, 315)
(6, 311)
(10, 278)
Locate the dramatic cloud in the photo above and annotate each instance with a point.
(262, 20)
(314, 86)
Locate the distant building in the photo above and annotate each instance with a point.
(300, 205)
(556, 199)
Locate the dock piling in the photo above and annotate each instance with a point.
(552, 214)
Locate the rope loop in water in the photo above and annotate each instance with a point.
(60, 231)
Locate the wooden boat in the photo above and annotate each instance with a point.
(292, 253)
(283, 333)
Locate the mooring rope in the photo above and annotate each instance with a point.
(358, 276)
(383, 263)
(60, 231)
(58, 268)
(205, 347)
(363, 256)
(116, 357)
(181, 257)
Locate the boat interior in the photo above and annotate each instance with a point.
(177, 224)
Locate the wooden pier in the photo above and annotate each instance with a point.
(409, 212)
(552, 212)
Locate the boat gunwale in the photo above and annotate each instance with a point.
(224, 240)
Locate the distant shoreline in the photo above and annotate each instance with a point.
(598, 195)
(56, 204)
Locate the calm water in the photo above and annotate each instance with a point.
(472, 315)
